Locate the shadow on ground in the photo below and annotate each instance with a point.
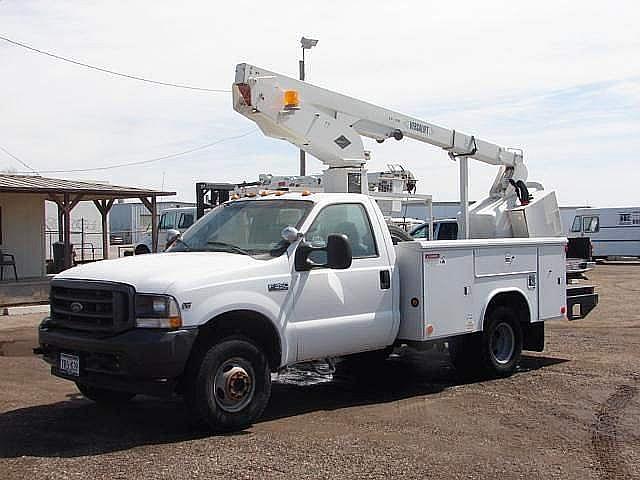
(77, 427)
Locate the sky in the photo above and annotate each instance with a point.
(559, 79)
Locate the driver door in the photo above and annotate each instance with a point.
(337, 312)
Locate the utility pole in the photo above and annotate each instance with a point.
(307, 44)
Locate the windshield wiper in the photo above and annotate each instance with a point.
(229, 246)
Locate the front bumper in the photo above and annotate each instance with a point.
(138, 360)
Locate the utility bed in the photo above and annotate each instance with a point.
(446, 285)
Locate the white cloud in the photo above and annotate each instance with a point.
(560, 79)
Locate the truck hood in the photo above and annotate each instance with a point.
(154, 273)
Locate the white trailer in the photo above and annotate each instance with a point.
(614, 232)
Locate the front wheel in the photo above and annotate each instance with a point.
(231, 386)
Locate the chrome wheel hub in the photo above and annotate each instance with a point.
(503, 343)
(234, 385)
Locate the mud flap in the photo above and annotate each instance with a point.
(533, 336)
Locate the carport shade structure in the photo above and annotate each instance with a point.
(67, 193)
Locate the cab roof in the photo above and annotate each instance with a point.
(309, 197)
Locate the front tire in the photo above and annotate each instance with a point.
(231, 386)
(104, 396)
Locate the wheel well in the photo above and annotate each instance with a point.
(251, 324)
(514, 300)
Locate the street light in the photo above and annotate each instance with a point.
(306, 44)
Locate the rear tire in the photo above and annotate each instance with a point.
(104, 396)
(230, 387)
(495, 352)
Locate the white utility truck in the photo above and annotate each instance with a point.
(171, 219)
(277, 278)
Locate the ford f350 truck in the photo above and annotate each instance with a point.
(264, 282)
(270, 280)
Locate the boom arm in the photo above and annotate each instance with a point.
(329, 126)
(348, 116)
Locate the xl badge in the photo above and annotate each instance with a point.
(278, 287)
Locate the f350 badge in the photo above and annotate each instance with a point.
(278, 287)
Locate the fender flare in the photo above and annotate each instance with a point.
(497, 291)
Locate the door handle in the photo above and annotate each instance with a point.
(385, 279)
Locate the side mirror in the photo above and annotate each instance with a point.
(338, 250)
(172, 236)
(290, 234)
(339, 255)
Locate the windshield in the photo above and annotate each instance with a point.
(250, 227)
(167, 220)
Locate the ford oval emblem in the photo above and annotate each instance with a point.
(76, 307)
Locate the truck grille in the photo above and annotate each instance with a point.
(91, 306)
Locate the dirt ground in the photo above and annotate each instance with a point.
(571, 412)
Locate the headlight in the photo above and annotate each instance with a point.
(157, 311)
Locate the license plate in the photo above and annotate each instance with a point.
(69, 364)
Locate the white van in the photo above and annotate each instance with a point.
(614, 232)
(170, 219)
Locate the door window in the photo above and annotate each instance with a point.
(577, 224)
(590, 224)
(421, 232)
(186, 220)
(448, 231)
(167, 220)
(349, 219)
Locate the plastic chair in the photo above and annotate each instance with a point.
(7, 260)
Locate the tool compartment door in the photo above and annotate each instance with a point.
(505, 260)
(448, 280)
(552, 291)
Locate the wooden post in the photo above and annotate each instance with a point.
(67, 206)
(53, 198)
(104, 206)
(152, 206)
(67, 232)
(154, 224)
(60, 222)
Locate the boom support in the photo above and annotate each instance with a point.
(330, 126)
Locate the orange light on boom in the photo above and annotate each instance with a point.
(291, 99)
